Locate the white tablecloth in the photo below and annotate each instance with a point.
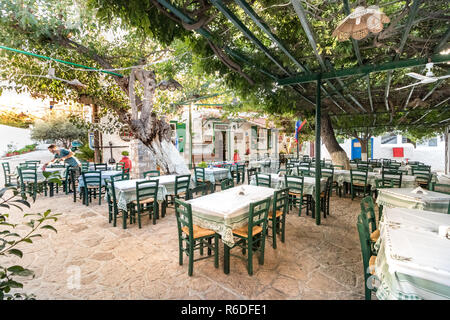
(413, 261)
(404, 198)
(227, 210)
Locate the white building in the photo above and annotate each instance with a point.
(392, 146)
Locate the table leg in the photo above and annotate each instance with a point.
(51, 185)
(226, 259)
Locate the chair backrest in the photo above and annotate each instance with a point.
(226, 184)
(33, 161)
(26, 165)
(146, 189)
(250, 173)
(263, 180)
(120, 166)
(182, 183)
(368, 213)
(422, 168)
(152, 173)
(439, 187)
(6, 168)
(257, 215)
(422, 176)
(294, 183)
(280, 201)
(199, 174)
(327, 172)
(27, 175)
(111, 192)
(100, 166)
(92, 178)
(117, 177)
(84, 166)
(359, 176)
(364, 240)
(392, 175)
(338, 166)
(183, 212)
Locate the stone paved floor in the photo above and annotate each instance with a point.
(316, 262)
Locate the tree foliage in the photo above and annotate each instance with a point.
(57, 129)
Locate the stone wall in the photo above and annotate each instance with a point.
(141, 159)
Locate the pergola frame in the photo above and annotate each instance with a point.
(327, 72)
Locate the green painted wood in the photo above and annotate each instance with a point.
(411, 16)
(317, 152)
(365, 69)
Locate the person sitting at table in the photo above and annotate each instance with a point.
(62, 154)
(126, 161)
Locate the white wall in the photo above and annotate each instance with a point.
(434, 156)
(17, 136)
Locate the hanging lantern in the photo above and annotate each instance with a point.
(360, 22)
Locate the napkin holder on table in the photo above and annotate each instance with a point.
(444, 231)
(419, 190)
(242, 191)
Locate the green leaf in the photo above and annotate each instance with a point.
(16, 252)
(49, 227)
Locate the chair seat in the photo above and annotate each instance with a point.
(372, 262)
(359, 184)
(375, 235)
(277, 214)
(199, 232)
(243, 231)
(92, 187)
(11, 174)
(144, 201)
(294, 193)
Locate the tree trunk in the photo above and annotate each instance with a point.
(338, 155)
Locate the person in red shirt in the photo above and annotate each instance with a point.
(126, 161)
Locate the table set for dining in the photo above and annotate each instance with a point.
(413, 259)
(309, 183)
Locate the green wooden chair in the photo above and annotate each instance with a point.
(92, 181)
(277, 216)
(100, 166)
(8, 176)
(226, 184)
(192, 237)
(394, 176)
(151, 173)
(369, 220)
(439, 187)
(146, 202)
(263, 180)
(367, 257)
(84, 166)
(358, 182)
(28, 181)
(28, 165)
(296, 197)
(181, 189)
(250, 173)
(423, 177)
(325, 197)
(252, 237)
(113, 210)
(240, 170)
(120, 166)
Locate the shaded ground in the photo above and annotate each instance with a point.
(316, 262)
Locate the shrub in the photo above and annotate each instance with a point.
(10, 239)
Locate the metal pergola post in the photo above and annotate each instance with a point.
(318, 169)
